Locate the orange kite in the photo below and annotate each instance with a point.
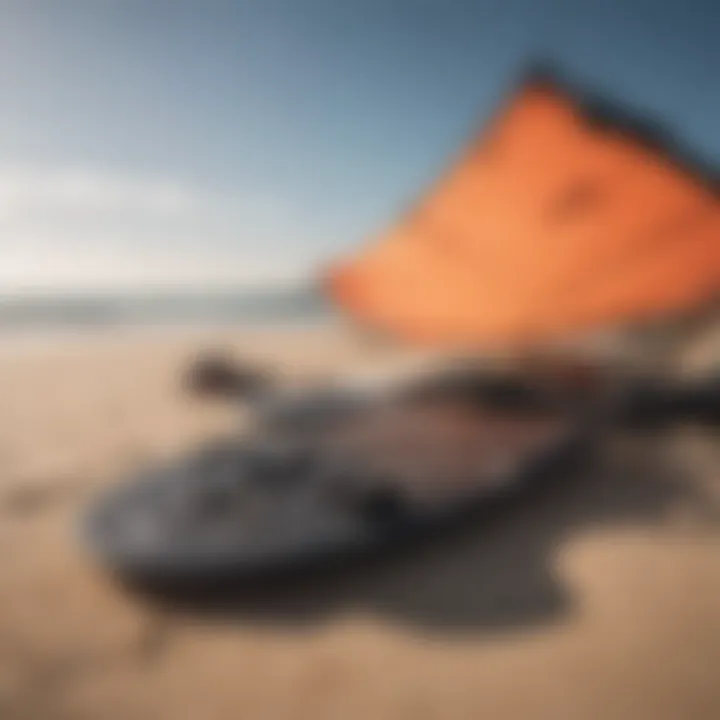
(549, 222)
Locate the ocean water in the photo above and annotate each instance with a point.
(27, 312)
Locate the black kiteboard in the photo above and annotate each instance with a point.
(324, 477)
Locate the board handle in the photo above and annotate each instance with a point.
(658, 403)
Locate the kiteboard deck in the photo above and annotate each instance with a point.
(305, 488)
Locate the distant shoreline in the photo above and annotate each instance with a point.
(161, 309)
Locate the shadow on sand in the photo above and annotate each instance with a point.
(496, 576)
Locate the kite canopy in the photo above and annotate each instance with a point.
(551, 221)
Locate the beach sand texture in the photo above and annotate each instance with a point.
(599, 600)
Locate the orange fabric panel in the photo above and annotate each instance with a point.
(546, 224)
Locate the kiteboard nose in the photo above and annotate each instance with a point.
(216, 374)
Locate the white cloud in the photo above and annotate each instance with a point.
(24, 189)
(77, 227)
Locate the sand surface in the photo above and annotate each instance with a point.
(597, 600)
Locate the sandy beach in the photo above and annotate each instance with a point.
(599, 600)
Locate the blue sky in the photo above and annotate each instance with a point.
(200, 142)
